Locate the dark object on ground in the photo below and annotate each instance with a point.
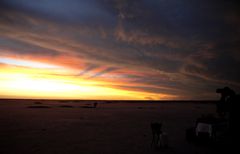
(191, 134)
(90, 106)
(37, 103)
(39, 107)
(66, 106)
(208, 129)
(201, 138)
(156, 132)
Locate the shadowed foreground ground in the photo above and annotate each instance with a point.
(39, 127)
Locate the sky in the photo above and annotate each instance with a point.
(119, 49)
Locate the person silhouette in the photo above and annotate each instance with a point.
(225, 102)
(229, 103)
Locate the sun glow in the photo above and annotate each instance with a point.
(31, 79)
(17, 82)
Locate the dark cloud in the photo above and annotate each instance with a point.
(64, 11)
(89, 68)
(102, 72)
(12, 46)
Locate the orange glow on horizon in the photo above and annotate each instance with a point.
(40, 80)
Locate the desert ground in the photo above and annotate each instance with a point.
(69, 127)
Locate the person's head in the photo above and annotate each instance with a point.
(225, 91)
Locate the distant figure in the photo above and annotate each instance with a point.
(95, 105)
(156, 132)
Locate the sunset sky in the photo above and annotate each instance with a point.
(119, 49)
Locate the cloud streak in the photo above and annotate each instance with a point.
(105, 71)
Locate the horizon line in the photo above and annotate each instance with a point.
(49, 99)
